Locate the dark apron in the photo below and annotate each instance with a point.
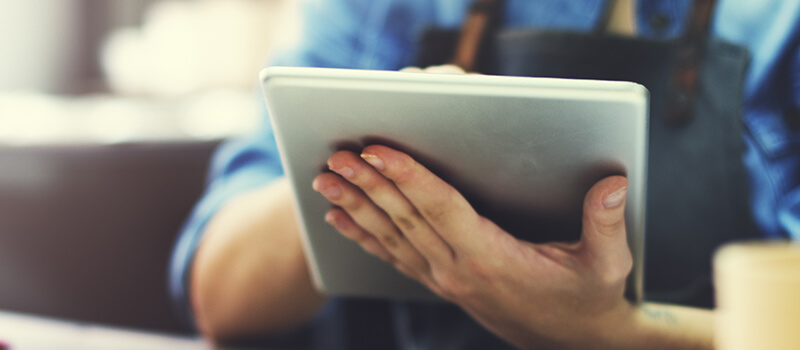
(696, 193)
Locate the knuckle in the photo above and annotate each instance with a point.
(409, 220)
(405, 223)
(627, 267)
(435, 212)
(389, 240)
(441, 206)
(608, 278)
(604, 222)
(352, 203)
(422, 265)
(616, 274)
(454, 287)
(367, 182)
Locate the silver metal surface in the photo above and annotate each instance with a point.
(523, 150)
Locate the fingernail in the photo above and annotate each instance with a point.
(614, 199)
(331, 192)
(346, 172)
(373, 160)
(330, 219)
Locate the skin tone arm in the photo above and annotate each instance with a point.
(555, 295)
(253, 242)
(672, 327)
(249, 276)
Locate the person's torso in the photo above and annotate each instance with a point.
(396, 26)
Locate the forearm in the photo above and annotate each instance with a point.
(668, 327)
(249, 275)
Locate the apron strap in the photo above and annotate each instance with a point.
(688, 57)
(484, 16)
(601, 27)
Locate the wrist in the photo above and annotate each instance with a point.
(651, 325)
(611, 329)
(618, 329)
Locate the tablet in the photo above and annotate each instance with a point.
(523, 151)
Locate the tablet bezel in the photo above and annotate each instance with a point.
(307, 106)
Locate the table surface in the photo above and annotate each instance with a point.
(25, 332)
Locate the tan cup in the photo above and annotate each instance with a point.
(758, 296)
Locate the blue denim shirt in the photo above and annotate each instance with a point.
(381, 34)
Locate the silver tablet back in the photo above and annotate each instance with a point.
(524, 151)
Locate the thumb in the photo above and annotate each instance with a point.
(604, 236)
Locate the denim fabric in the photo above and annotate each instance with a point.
(771, 30)
(382, 34)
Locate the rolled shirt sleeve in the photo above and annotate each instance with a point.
(236, 167)
(336, 33)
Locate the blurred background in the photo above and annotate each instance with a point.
(109, 111)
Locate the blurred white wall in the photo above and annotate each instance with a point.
(52, 45)
(76, 71)
(37, 44)
(188, 46)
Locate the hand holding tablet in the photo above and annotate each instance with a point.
(402, 213)
(522, 152)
